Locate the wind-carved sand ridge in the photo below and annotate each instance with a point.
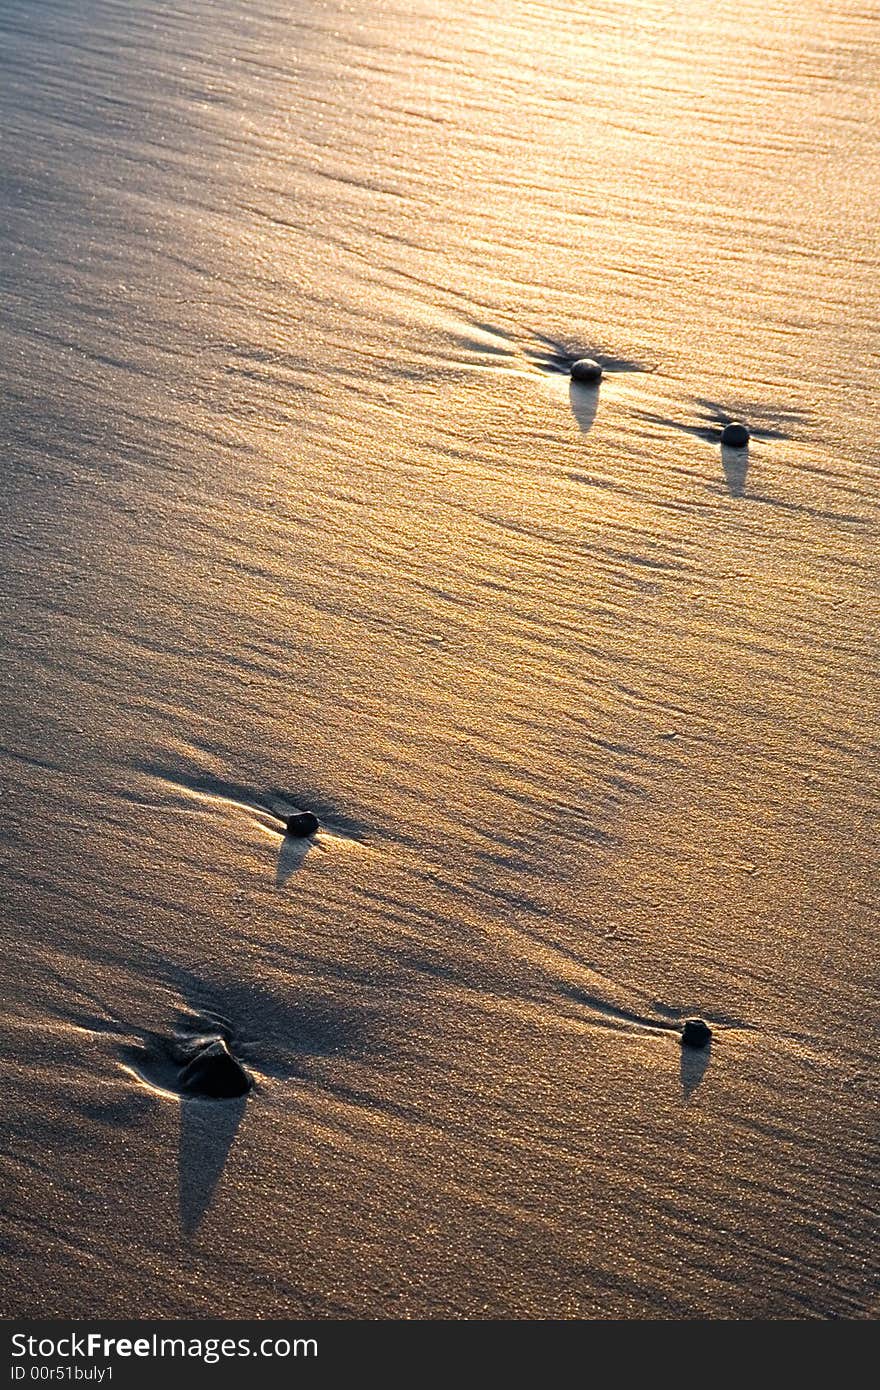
(214, 795)
(206, 795)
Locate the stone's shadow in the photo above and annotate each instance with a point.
(291, 857)
(694, 1064)
(275, 1038)
(207, 1131)
(710, 427)
(735, 463)
(207, 1126)
(276, 1035)
(583, 397)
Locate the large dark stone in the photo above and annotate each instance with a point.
(302, 824)
(585, 369)
(215, 1073)
(695, 1033)
(735, 436)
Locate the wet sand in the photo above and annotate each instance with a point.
(304, 512)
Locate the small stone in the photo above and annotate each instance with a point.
(585, 369)
(302, 824)
(215, 1073)
(735, 436)
(695, 1033)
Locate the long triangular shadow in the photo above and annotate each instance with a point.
(694, 1062)
(583, 397)
(207, 1131)
(735, 463)
(291, 857)
(276, 1035)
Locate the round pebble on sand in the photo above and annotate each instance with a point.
(695, 1033)
(585, 369)
(735, 436)
(302, 824)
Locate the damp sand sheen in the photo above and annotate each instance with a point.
(306, 515)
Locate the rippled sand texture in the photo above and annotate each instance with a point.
(301, 513)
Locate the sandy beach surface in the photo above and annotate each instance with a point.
(303, 512)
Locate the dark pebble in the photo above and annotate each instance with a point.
(735, 436)
(585, 369)
(302, 824)
(695, 1033)
(214, 1072)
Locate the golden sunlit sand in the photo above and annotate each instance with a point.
(305, 514)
